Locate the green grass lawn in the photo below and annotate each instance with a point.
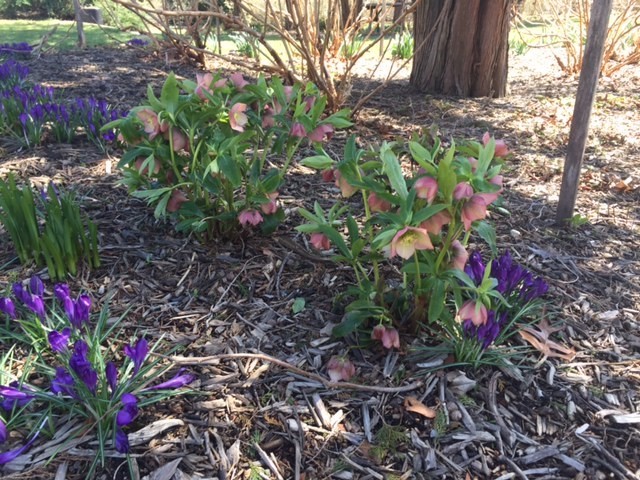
(65, 36)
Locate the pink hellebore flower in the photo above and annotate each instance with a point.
(321, 131)
(329, 175)
(426, 188)
(237, 118)
(501, 147)
(297, 130)
(460, 255)
(176, 200)
(147, 169)
(408, 240)
(220, 83)
(340, 368)
(203, 84)
(270, 207)
(308, 103)
(341, 182)
(489, 198)
(474, 311)
(473, 209)
(288, 92)
(238, 80)
(180, 140)
(474, 163)
(388, 336)
(463, 190)
(434, 224)
(268, 119)
(149, 119)
(320, 241)
(250, 217)
(377, 204)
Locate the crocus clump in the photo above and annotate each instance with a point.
(515, 283)
(106, 393)
(22, 49)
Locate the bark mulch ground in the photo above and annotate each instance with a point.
(263, 407)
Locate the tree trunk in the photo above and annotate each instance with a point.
(82, 41)
(461, 47)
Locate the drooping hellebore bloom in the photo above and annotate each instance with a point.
(177, 198)
(460, 255)
(329, 175)
(129, 410)
(462, 191)
(426, 188)
(434, 224)
(501, 147)
(137, 353)
(408, 240)
(237, 118)
(473, 209)
(203, 81)
(238, 80)
(377, 204)
(7, 306)
(490, 197)
(388, 336)
(271, 206)
(59, 340)
(320, 132)
(146, 170)
(179, 380)
(178, 139)
(150, 122)
(297, 130)
(320, 241)
(473, 310)
(340, 368)
(346, 189)
(250, 217)
(81, 366)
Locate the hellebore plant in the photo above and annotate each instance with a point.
(90, 380)
(61, 241)
(420, 222)
(214, 153)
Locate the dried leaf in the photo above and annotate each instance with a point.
(538, 337)
(412, 404)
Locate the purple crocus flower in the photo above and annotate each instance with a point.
(63, 383)
(81, 366)
(36, 286)
(121, 441)
(13, 396)
(77, 310)
(7, 306)
(61, 291)
(475, 268)
(11, 455)
(129, 410)
(179, 380)
(3, 432)
(59, 340)
(137, 353)
(111, 371)
(20, 293)
(36, 305)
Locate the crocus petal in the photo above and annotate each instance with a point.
(7, 306)
(61, 291)
(36, 305)
(111, 372)
(121, 441)
(129, 410)
(11, 455)
(36, 286)
(179, 380)
(137, 353)
(3, 432)
(82, 308)
(59, 340)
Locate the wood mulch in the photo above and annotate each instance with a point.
(263, 406)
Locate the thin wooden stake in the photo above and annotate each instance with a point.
(596, 37)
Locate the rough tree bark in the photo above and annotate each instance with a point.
(461, 47)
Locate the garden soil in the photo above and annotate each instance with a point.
(263, 407)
